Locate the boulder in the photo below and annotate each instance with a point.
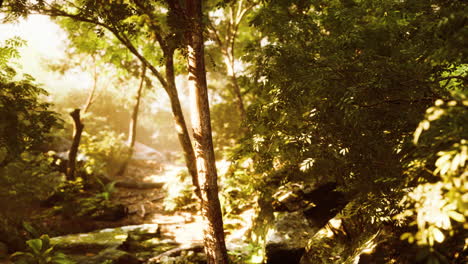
(95, 242)
(286, 241)
(108, 256)
(342, 240)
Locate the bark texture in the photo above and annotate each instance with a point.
(77, 131)
(215, 246)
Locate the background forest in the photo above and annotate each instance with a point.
(339, 130)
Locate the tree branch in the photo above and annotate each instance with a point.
(123, 39)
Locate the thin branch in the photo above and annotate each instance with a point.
(215, 32)
(123, 39)
(156, 29)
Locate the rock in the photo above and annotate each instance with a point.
(289, 198)
(319, 203)
(96, 241)
(327, 202)
(341, 241)
(109, 256)
(140, 240)
(144, 152)
(113, 212)
(287, 240)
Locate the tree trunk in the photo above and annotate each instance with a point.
(90, 99)
(78, 129)
(134, 119)
(240, 101)
(215, 247)
(181, 125)
(229, 61)
(133, 122)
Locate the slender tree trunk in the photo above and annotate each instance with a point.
(90, 99)
(77, 131)
(134, 118)
(229, 61)
(215, 247)
(237, 92)
(181, 126)
(227, 46)
(133, 122)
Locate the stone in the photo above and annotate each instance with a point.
(109, 256)
(341, 241)
(286, 241)
(94, 242)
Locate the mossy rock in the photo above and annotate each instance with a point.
(96, 241)
(108, 256)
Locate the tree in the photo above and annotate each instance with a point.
(134, 120)
(134, 24)
(130, 22)
(342, 86)
(215, 247)
(225, 29)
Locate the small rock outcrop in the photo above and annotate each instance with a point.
(109, 256)
(286, 241)
(302, 210)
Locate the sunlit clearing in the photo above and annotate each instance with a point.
(170, 172)
(186, 233)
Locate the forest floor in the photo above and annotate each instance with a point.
(145, 206)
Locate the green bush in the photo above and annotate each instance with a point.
(105, 152)
(26, 175)
(40, 251)
(180, 193)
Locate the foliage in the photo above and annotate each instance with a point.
(341, 87)
(104, 151)
(29, 179)
(26, 174)
(180, 194)
(24, 119)
(40, 251)
(438, 205)
(71, 200)
(239, 191)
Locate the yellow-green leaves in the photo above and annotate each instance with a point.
(307, 164)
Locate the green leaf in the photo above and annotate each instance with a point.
(35, 245)
(29, 228)
(45, 240)
(19, 253)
